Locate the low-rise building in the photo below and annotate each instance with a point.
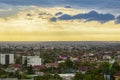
(52, 65)
(117, 76)
(106, 57)
(31, 60)
(83, 69)
(67, 76)
(6, 59)
(13, 68)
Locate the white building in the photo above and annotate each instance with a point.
(67, 76)
(106, 57)
(31, 60)
(6, 59)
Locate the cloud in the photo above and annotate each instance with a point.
(117, 20)
(103, 5)
(65, 17)
(8, 10)
(59, 13)
(90, 16)
(67, 6)
(53, 19)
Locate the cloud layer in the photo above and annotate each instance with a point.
(34, 25)
(110, 6)
(90, 16)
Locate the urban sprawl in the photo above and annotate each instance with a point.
(83, 60)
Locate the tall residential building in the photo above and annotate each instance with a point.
(31, 60)
(6, 59)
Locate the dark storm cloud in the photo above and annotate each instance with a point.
(59, 13)
(90, 16)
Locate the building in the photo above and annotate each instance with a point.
(67, 76)
(48, 65)
(31, 60)
(13, 68)
(117, 76)
(107, 57)
(83, 69)
(6, 59)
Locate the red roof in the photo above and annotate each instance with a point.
(15, 65)
(117, 74)
(83, 68)
(52, 64)
(38, 67)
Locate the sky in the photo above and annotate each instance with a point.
(59, 20)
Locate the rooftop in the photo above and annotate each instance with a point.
(117, 74)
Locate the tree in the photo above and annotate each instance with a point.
(57, 77)
(61, 67)
(78, 76)
(93, 77)
(104, 67)
(98, 77)
(115, 68)
(88, 77)
(2, 72)
(49, 76)
(30, 70)
(25, 63)
(18, 75)
(11, 75)
(18, 60)
(69, 63)
(95, 71)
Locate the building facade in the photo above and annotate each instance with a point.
(31, 60)
(6, 59)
